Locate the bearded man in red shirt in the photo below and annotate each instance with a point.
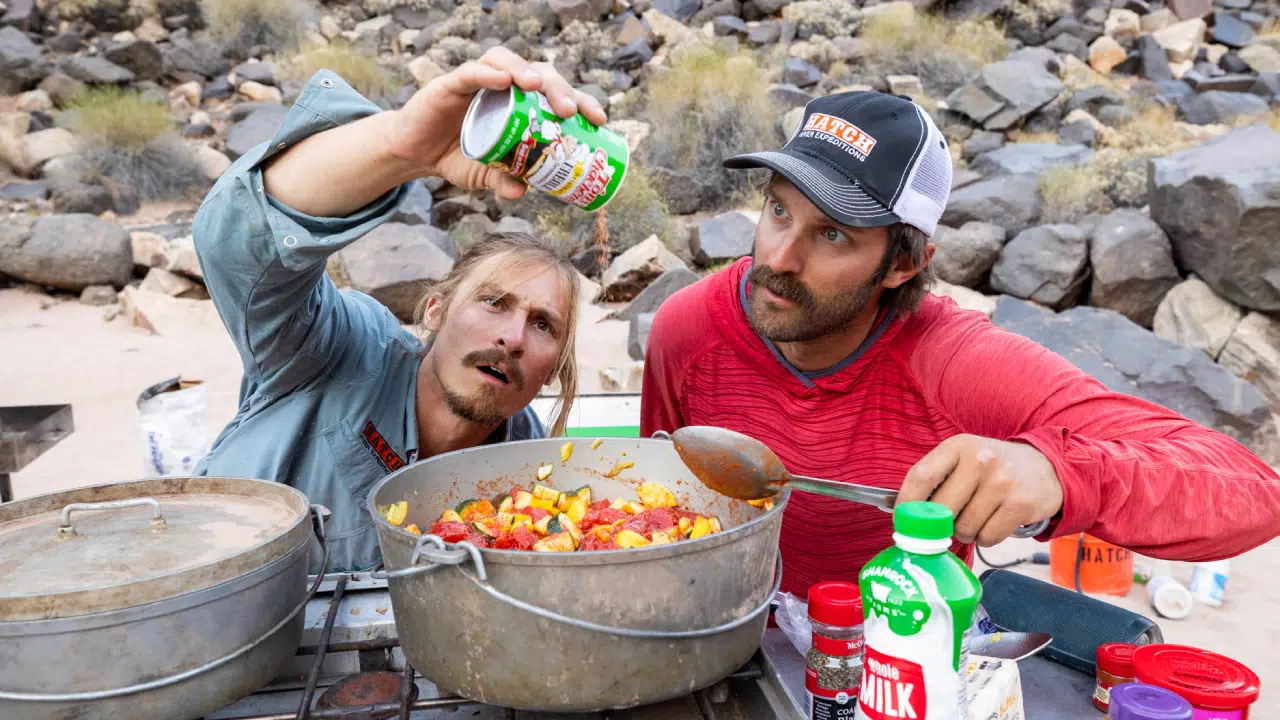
(826, 346)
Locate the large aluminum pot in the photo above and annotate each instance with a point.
(158, 599)
(581, 631)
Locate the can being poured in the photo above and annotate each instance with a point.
(570, 159)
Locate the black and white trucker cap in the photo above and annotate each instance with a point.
(866, 159)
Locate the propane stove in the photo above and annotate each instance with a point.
(350, 665)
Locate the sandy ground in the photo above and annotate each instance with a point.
(59, 351)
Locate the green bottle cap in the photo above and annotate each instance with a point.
(924, 520)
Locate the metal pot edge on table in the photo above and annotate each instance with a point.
(579, 631)
(179, 644)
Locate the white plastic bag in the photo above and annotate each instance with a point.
(171, 416)
(792, 617)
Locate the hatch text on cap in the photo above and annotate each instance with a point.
(846, 134)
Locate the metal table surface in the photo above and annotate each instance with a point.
(1049, 691)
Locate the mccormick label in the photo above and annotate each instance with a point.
(569, 159)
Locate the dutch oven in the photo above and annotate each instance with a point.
(575, 631)
(156, 599)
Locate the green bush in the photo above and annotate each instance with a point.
(942, 53)
(357, 66)
(241, 25)
(126, 139)
(708, 106)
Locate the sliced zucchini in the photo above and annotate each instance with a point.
(715, 524)
(541, 527)
(450, 516)
(657, 537)
(542, 492)
(701, 527)
(544, 472)
(461, 507)
(565, 451)
(559, 542)
(596, 443)
(483, 529)
(563, 523)
(656, 495)
(630, 539)
(583, 493)
(633, 508)
(523, 499)
(613, 472)
(685, 526)
(576, 509)
(507, 505)
(397, 512)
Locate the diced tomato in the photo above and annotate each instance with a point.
(690, 516)
(505, 541)
(535, 513)
(479, 539)
(661, 518)
(599, 504)
(450, 531)
(594, 542)
(522, 539)
(604, 516)
(638, 523)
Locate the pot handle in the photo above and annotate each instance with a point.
(66, 531)
(440, 554)
(318, 513)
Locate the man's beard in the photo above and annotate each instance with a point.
(814, 318)
(482, 407)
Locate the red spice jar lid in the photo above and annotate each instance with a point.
(835, 603)
(1116, 658)
(1208, 680)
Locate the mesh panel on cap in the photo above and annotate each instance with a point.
(928, 185)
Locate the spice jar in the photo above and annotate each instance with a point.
(1114, 667)
(834, 662)
(1135, 701)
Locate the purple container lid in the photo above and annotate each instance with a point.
(1135, 701)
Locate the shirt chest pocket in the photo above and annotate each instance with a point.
(357, 469)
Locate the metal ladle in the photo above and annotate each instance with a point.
(744, 468)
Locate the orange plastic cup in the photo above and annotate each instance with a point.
(1105, 569)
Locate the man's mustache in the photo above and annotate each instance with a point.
(785, 286)
(493, 357)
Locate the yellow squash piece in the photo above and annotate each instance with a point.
(613, 472)
(565, 451)
(685, 526)
(701, 527)
(559, 542)
(632, 507)
(542, 492)
(544, 472)
(576, 509)
(397, 512)
(765, 503)
(548, 505)
(523, 499)
(596, 443)
(630, 539)
(450, 516)
(518, 520)
(657, 537)
(413, 528)
(619, 504)
(655, 495)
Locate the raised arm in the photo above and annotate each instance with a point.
(335, 170)
(1132, 473)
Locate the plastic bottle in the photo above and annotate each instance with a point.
(918, 601)
(1209, 582)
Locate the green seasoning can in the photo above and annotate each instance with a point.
(571, 159)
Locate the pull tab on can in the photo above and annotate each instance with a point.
(567, 158)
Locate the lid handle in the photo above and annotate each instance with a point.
(66, 532)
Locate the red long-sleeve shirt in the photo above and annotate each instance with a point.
(1133, 473)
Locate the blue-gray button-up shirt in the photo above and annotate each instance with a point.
(327, 398)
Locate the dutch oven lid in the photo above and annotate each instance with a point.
(109, 547)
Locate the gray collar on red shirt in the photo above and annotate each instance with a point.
(807, 377)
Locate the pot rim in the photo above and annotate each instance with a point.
(579, 559)
(167, 585)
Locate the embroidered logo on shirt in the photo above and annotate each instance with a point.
(380, 448)
(841, 133)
